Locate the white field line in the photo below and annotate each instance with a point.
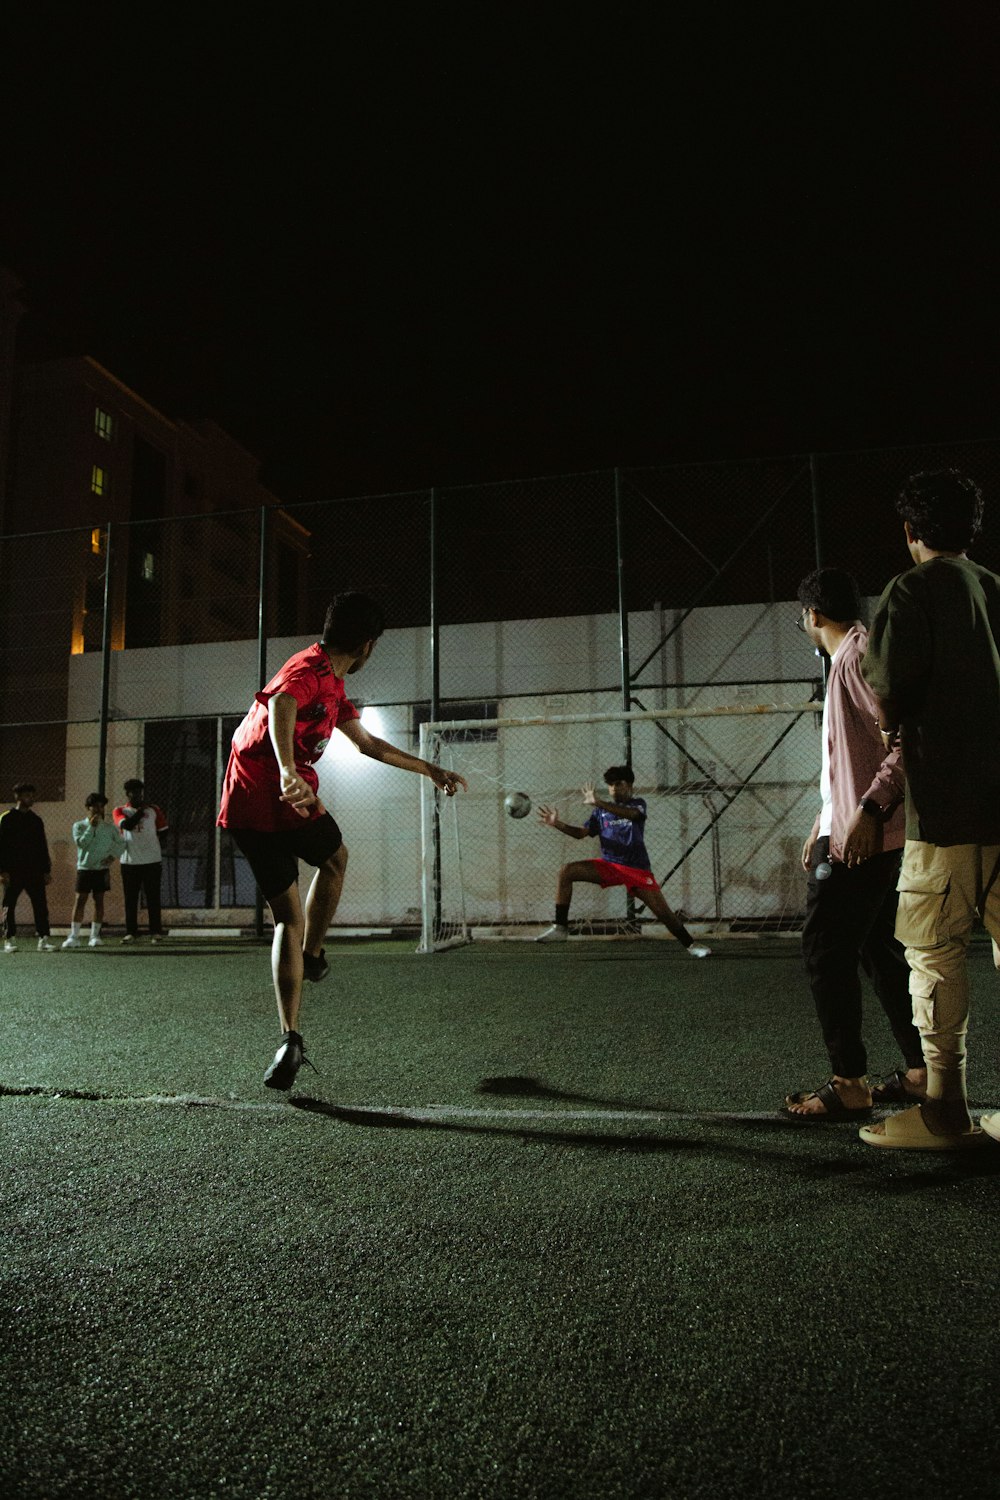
(427, 1113)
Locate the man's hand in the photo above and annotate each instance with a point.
(298, 794)
(589, 794)
(548, 816)
(863, 839)
(807, 852)
(447, 781)
(96, 816)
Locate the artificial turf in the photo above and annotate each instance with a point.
(590, 1260)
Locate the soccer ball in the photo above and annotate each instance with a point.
(518, 804)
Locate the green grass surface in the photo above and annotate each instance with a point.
(586, 1290)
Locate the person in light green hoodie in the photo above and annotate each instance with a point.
(98, 845)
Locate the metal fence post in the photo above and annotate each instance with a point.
(102, 751)
(626, 679)
(261, 667)
(435, 698)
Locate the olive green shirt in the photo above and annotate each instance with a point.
(934, 648)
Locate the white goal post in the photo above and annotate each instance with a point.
(731, 793)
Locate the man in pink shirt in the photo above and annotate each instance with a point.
(852, 857)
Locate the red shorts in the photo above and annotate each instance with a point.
(626, 875)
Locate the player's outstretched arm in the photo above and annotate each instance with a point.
(391, 755)
(550, 817)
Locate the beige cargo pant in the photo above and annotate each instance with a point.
(941, 890)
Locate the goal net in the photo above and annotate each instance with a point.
(731, 793)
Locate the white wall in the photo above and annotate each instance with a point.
(532, 666)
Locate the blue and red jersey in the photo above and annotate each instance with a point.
(251, 790)
(622, 839)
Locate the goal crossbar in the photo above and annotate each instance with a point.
(620, 717)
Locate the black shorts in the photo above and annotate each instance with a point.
(274, 857)
(92, 882)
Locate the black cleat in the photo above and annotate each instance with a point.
(315, 969)
(287, 1061)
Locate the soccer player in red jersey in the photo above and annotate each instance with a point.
(271, 806)
(618, 823)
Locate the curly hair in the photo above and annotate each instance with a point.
(944, 508)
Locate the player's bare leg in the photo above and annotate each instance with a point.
(577, 869)
(323, 900)
(657, 904)
(286, 955)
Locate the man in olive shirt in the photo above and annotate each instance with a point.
(933, 663)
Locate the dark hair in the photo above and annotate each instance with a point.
(944, 508)
(351, 620)
(24, 786)
(134, 784)
(619, 773)
(833, 592)
(96, 799)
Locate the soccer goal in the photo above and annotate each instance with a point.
(731, 792)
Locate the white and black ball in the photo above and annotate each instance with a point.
(518, 804)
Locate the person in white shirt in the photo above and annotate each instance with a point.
(141, 823)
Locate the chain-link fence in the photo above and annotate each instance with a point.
(135, 648)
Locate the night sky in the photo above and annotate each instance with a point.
(452, 243)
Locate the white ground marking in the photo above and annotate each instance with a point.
(427, 1113)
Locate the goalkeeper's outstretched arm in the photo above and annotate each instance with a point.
(551, 818)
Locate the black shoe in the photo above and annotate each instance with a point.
(287, 1061)
(315, 969)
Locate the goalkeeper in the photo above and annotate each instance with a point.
(619, 822)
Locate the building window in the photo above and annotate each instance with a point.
(103, 425)
(99, 480)
(148, 566)
(97, 541)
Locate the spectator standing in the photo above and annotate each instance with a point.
(25, 866)
(933, 663)
(98, 844)
(141, 824)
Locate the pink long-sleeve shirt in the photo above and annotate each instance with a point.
(860, 767)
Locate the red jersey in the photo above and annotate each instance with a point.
(252, 786)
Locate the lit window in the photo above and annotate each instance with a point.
(97, 541)
(148, 566)
(102, 424)
(98, 480)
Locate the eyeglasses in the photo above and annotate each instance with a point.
(800, 623)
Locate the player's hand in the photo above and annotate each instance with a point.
(863, 839)
(96, 817)
(447, 781)
(589, 794)
(548, 815)
(807, 852)
(297, 793)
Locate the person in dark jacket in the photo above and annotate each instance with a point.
(25, 866)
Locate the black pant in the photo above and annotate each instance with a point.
(850, 918)
(34, 887)
(145, 878)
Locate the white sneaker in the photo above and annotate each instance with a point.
(553, 934)
(698, 950)
(991, 1124)
(44, 946)
(94, 942)
(158, 937)
(72, 941)
(10, 946)
(129, 937)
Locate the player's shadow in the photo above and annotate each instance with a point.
(387, 1120)
(984, 1162)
